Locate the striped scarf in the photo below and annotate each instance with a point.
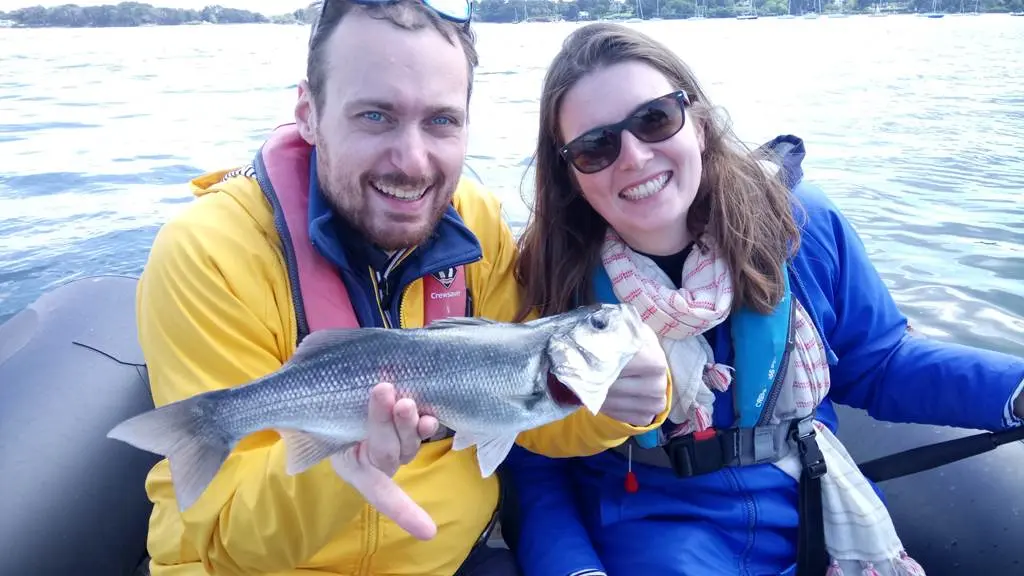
(859, 534)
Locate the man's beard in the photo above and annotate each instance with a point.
(348, 196)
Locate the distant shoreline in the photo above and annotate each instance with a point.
(5, 24)
(137, 15)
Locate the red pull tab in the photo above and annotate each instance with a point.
(703, 435)
(632, 485)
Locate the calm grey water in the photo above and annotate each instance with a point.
(914, 126)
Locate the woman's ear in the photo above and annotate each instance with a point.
(698, 128)
(697, 115)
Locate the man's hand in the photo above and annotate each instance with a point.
(640, 393)
(394, 431)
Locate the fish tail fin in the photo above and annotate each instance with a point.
(179, 432)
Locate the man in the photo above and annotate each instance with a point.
(354, 215)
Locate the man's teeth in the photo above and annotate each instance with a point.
(649, 188)
(400, 193)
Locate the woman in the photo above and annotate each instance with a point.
(768, 310)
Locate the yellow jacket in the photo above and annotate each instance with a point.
(214, 311)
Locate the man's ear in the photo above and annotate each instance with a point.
(305, 113)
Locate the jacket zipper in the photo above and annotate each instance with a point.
(377, 292)
(780, 374)
(372, 540)
(379, 289)
(373, 517)
(751, 508)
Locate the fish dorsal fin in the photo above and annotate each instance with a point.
(316, 342)
(457, 321)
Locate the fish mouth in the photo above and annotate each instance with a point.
(561, 394)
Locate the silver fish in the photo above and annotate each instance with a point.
(485, 380)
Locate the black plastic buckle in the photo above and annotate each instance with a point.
(700, 453)
(811, 458)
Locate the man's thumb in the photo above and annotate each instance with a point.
(383, 494)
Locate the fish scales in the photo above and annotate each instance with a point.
(328, 393)
(486, 380)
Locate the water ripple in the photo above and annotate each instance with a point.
(916, 134)
(37, 126)
(45, 183)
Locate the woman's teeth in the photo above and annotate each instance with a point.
(400, 193)
(646, 189)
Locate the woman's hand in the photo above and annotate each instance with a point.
(641, 392)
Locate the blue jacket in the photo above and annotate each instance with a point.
(576, 515)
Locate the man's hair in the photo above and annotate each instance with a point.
(406, 14)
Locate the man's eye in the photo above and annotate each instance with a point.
(446, 121)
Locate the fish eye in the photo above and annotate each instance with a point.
(598, 323)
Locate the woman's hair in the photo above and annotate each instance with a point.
(744, 207)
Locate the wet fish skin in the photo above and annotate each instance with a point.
(483, 379)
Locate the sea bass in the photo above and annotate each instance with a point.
(485, 380)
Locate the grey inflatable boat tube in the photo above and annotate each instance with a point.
(73, 501)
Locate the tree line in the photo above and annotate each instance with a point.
(130, 14)
(543, 10)
(142, 14)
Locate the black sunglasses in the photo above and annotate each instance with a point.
(458, 11)
(655, 121)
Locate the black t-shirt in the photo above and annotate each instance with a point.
(671, 264)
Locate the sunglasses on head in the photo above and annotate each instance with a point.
(458, 11)
(655, 121)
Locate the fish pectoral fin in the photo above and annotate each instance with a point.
(306, 449)
(491, 450)
(456, 321)
(463, 439)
